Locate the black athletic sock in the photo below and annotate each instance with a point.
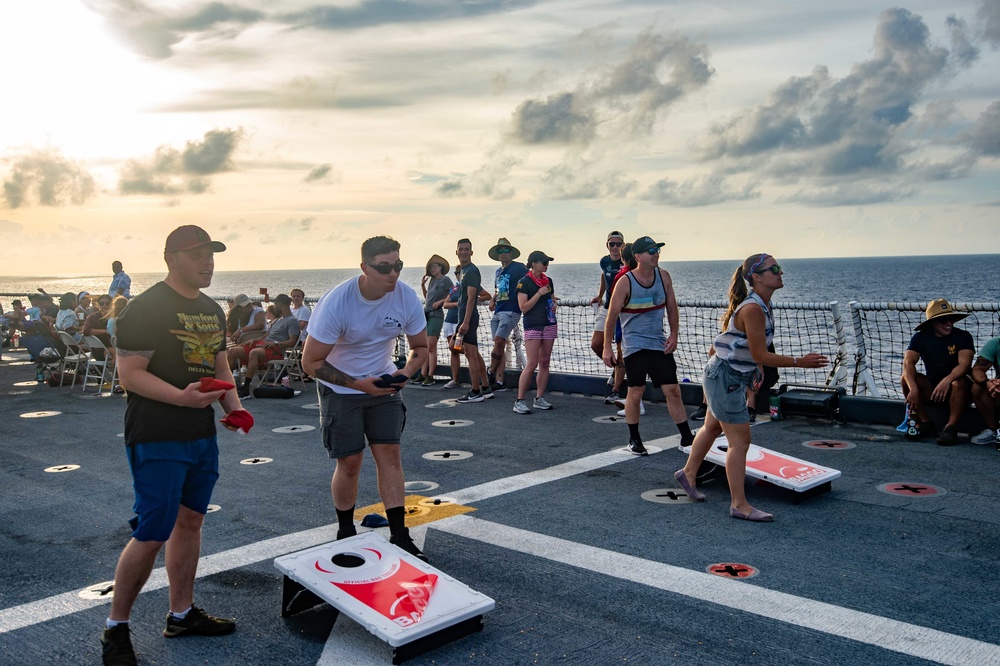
(345, 519)
(685, 431)
(247, 382)
(397, 521)
(633, 432)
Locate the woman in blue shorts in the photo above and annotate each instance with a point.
(741, 350)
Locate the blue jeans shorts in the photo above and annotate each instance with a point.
(726, 391)
(166, 475)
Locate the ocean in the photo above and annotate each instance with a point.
(959, 278)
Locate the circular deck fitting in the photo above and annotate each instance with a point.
(614, 418)
(667, 496)
(55, 469)
(414, 510)
(212, 508)
(452, 423)
(828, 444)
(731, 570)
(39, 415)
(443, 404)
(314, 405)
(447, 455)
(420, 486)
(255, 461)
(294, 428)
(30, 383)
(911, 489)
(98, 591)
(431, 502)
(624, 450)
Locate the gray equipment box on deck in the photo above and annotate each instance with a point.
(810, 400)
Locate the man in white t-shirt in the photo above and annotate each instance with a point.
(255, 320)
(300, 310)
(352, 334)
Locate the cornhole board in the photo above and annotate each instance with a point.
(805, 478)
(402, 600)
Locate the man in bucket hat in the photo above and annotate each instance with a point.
(947, 355)
(506, 312)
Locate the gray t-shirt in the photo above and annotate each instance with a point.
(437, 290)
(282, 329)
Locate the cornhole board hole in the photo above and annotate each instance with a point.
(403, 601)
(805, 478)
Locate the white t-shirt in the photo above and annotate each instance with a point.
(364, 332)
(302, 314)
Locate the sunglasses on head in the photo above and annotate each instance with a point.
(774, 269)
(385, 269)
(615, 244)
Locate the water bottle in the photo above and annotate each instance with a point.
(39, 373)
(286, 382)
(775, 404)
(456, 343)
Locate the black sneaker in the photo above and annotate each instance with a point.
(752, 414)
(116, 646)
(612, 398)
(471, 396)
(636, 447)
(497, 387)
(198, 623)
(487, 393)
(699, 414)
(404, 542)
(948, 436)
(346, 532)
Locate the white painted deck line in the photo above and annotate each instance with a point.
(902, 637)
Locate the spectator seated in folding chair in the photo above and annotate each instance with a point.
(100, 363)
(251, 312)
(290, 366)
(283, 335)
(74, 360)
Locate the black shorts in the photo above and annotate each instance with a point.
(660, 368)
(470, 336)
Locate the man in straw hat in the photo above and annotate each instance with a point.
(506, 312)
(947, 355)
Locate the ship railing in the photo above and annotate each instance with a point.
(882, 331)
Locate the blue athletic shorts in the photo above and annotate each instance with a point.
(166, 475)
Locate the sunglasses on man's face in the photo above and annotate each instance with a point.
(614, 244)
(774, 269)
(503, 250)
(653, 250)
(385, 269)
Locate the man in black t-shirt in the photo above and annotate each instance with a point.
(169, 339)
(947, 355)
(468, 323)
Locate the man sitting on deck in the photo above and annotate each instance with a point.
(947, 355)
(986, 392)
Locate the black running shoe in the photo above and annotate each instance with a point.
(752, 414)
(404, 542)
(948, 436)
(198, 623)
(346, 532)
(636, 447)
(699, 414)
(116, 646)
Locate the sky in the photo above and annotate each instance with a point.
(292, 130)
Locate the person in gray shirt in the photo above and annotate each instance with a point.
(283, 334)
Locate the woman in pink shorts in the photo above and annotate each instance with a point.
(536, 297)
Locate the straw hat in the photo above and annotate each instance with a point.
(937, 309)
(503, 242)
(441, 261)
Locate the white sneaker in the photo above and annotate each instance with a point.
(987, 436)
(521, 407)
(451, 384)
(541, 403)
(642, 410)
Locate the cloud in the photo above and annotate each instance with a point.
(848, 194)
(983, 139)
(586, 182)
(154, 33)
(9, 228)
(989, 15)
(698, 191)
(626, 98)
(383, 12)
(322, 172)
(170, 171)
(963, 51)
(489, 180)
(48, 179)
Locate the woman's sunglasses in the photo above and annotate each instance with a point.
(385, 269)
(774, 269)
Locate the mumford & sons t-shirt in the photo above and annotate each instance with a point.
(184, 334)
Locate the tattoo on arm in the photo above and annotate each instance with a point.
(328, 373)
(147, 354)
